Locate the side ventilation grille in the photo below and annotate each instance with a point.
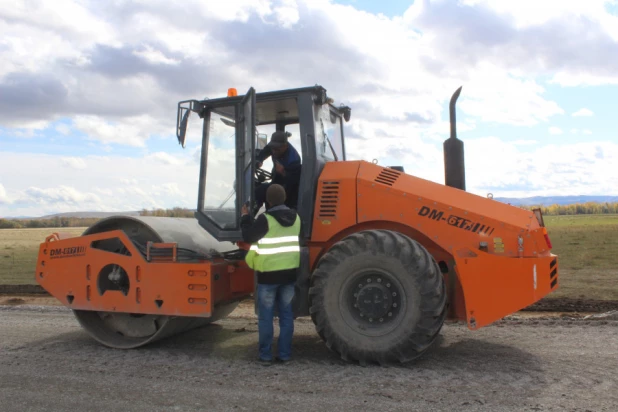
(329, 200)
(387, 176)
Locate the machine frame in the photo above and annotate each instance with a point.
(385, 256)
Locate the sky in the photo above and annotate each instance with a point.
(89, 90)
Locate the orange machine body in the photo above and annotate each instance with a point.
(69, 270)
(495, 257)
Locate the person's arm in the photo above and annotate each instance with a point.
(290, 167)
(253, 231)
(264, 154)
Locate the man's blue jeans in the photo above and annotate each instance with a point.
(268, 296)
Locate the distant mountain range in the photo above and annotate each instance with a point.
(525, 201)
(98, 215)
(90, 214)
(556, 200)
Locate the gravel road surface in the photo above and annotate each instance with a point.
(48, 363)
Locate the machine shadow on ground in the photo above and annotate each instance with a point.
(229, 348)
(238, 339)
(238, 342)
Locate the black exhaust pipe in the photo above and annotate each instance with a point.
(454, 167)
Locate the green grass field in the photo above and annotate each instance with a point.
(587, 249)
(18, 252)
(586, 245)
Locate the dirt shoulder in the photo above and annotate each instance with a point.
(573, 305)
(49, 363)
(35, 295)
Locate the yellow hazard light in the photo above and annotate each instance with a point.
(231, 92)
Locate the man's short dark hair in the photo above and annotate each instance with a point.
(275, 195)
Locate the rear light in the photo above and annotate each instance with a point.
(546, 236)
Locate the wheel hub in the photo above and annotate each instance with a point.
(376, 299)
(373, 300)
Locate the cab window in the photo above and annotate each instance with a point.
(329, 139)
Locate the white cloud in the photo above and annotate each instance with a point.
(154, 56)
(549, 170)
(287, 14)
(102, 186)
(583, 112)
(4, 199)
(527, 13)
(125, 181)
(60, 195)
(234, 10)
(73, 162)
(165, 158)
(530, 168)
(583, 131)
(583, 79)
(104, 192)
(555, 130)
(523, 37)
(117, 71)
(25, 129)
(525, 142)
(61, 16)
(168, 190)
(63, 129)
(496, 97)
(131, 131)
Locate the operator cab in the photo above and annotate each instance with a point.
(235, 130)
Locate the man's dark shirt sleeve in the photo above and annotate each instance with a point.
(253, 231)
(264, 154)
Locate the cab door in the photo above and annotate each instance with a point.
(247, 141)
(227, 166)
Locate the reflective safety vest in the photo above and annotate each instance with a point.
(279, 249)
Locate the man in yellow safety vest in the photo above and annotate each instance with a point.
(275, 256)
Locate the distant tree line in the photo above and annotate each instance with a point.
(50, 222)
(589, 208)
(174, 212)
(85, 221)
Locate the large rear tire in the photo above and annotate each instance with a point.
(378, 296)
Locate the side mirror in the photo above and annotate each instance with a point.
(346, 111)
(181, 133)
(227, 122)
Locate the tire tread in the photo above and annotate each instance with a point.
(432, 288)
